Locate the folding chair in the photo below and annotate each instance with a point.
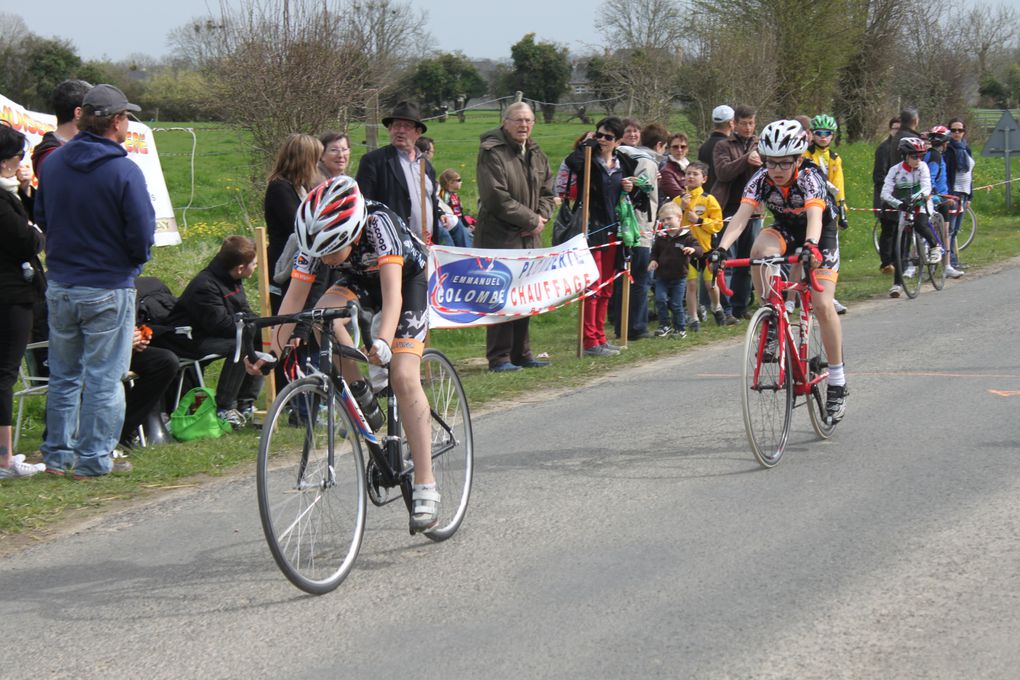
(32, 384)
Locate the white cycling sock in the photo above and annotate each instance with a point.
(836, 376)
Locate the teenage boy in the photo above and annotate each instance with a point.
(208, 305)
(819, 152)
(703, 215)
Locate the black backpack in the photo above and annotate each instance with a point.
(153, 303)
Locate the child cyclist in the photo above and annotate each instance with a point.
(384, 267)
(703, 214)
(794, 190)
(903, 183)
(819, 152)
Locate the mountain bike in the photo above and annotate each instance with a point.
(312, 478)
(783, 361)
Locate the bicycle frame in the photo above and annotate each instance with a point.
(775, 297)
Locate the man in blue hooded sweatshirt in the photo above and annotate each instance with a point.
(94, 206)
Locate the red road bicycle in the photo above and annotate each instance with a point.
(782, 361)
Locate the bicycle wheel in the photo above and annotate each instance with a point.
(453, 449)
(909, 251)
(818, 364)
(968, 229)
(313, 516)
(937, 270)
(876, 232)
(767, 398)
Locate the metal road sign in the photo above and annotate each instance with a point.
(1005, 141)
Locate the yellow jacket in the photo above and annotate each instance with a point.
(831, 165)
(709, 212)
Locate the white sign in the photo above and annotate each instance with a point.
(141, 148)
(476, 287)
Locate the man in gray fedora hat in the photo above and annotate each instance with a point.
(392, 174)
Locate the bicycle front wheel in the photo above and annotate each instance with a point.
(767, 390)
(937, 270)
(909, 253)
(876, 232)
(968, 228)
(312, 509)
(818, 365)
(453, 448)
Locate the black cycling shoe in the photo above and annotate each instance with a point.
(835, 402)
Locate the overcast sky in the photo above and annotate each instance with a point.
(479, 28)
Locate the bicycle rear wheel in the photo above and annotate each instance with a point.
(876, 232)
(968, 228)
(453, 452)
(909, 251)
(766, 395)
(937, 270)
(818, 364)
(313, 516)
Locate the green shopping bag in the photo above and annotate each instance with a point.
(195, 417)
(629, 230)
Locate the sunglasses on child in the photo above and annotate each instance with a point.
(822, 133)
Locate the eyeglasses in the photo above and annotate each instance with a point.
(822, 133)
(522, 121)
(607, 137)
(955, 130)
(679, 146)
(336, 150)
(779, 165)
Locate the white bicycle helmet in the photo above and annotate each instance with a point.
(331, 217)
(782, 138)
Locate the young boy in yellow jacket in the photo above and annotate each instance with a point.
(823, 128)
(703, 214)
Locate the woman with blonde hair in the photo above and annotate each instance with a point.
(295, 172)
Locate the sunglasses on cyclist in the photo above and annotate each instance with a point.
(779, 165)
(607, 137)
(822, 133)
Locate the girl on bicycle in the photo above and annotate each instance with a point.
(383, 266)
(906, 184)
(794, 190)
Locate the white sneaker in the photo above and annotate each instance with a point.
(909, 272)
(790, 306)
(19, 469)
(952, 272)
(895, 291)
(935, 255)
(840, 307)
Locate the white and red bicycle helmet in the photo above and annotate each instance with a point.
(331, 217)
(783, 138)
(909, 145)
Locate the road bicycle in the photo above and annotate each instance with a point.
(785, 364)
(968, 228)
(312, 477)
(913, 252)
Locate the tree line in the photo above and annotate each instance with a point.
(278, 66)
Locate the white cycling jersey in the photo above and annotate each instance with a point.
(902, 182)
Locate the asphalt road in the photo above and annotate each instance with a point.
(622, 530)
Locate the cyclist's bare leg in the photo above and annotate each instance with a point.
(405, 379)
(828, 321)
(768, 244)
(692, 297)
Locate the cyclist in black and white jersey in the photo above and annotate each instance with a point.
(384, 266)
(794, 190)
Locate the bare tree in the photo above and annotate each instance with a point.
(197, 43)
(391, 34)
(287, 66)
(989, 30)
(642, 24)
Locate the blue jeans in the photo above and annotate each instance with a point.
(91, 331)
(639, 258)
(669, 296)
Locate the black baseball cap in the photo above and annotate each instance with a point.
(106, 100)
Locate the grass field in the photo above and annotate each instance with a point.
(227, 201)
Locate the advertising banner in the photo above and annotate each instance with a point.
(473, 287)
(141, 148)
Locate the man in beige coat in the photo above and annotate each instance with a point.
(515, 193)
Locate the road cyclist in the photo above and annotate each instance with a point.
(794, 190)
(907, 188)
(384, 266)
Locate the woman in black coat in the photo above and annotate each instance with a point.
(612, 175)
(21, 286)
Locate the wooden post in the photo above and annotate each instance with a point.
(261, 245)
(372, 122)
(625, 306)
(586, 193)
